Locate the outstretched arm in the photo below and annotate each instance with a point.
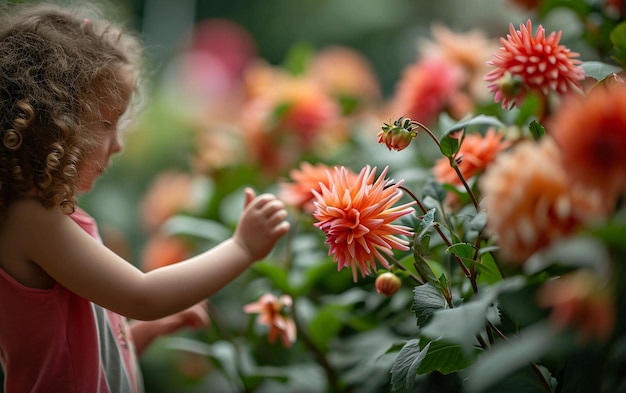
(84, 266)
(145, 332)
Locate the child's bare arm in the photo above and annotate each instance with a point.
(83, 265)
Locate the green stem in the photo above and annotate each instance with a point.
(452, 162)
(454, 166)
(445, 239)
(397, 264)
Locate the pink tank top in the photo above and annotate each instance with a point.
(52, 340)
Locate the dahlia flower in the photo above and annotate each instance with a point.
(469, 50)
(357, 216)
(170, 193)
(309, 177)
(163, 250)
(582, 301)
(591, 133)
(531, 202)
(525, 63)
(476, 152)
(273, 312)
(286, 117)
(425, 89)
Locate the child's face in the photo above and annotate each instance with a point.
(110, 141)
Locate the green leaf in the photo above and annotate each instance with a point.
(599, 70)
(404, 369)
(478, 222)
(580, 7)
(425, 223)
(465, 251)
(505, 357)
(488, 269)
(198, 227)
(618, 38)
(298, 58)
(276, 274)
(450, 146)
(480, 120)
(326, 324)
(445, 358)
(461, 324)
(536, 130)
(426, 300)
(435, 190)
(576, 252)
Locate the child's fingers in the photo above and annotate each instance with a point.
(249, 196)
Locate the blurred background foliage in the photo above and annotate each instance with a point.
(162, 140)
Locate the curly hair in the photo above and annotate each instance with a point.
(56, 67)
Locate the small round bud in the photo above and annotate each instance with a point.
(387, 284)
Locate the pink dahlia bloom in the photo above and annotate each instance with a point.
(357, 216)
(272, 312)
(528, 63)
(426, 88)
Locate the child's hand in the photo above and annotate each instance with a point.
(261, 224)
(195, 317)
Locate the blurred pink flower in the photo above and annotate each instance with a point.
(476, 152)
(527, 4)
(537, 63)
(426, 89)
(273, 312)
(469, 50)
(219, 51)
(357, 216)
(287, 116)
(308, 178)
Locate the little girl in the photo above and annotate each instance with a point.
(65, 82)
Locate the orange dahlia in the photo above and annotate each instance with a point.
(309, 177)
(525, 63)
(591, 133)
(274, 312)
(580, 300)
(170, 193)
(476, 152)
(357, 216)
(163, 250)
(531, 202)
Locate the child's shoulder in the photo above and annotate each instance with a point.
(30, 210)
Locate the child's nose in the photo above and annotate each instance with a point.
(116, 144)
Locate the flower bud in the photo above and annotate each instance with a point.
(509, 86)
(395, 137)
(387, 284)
